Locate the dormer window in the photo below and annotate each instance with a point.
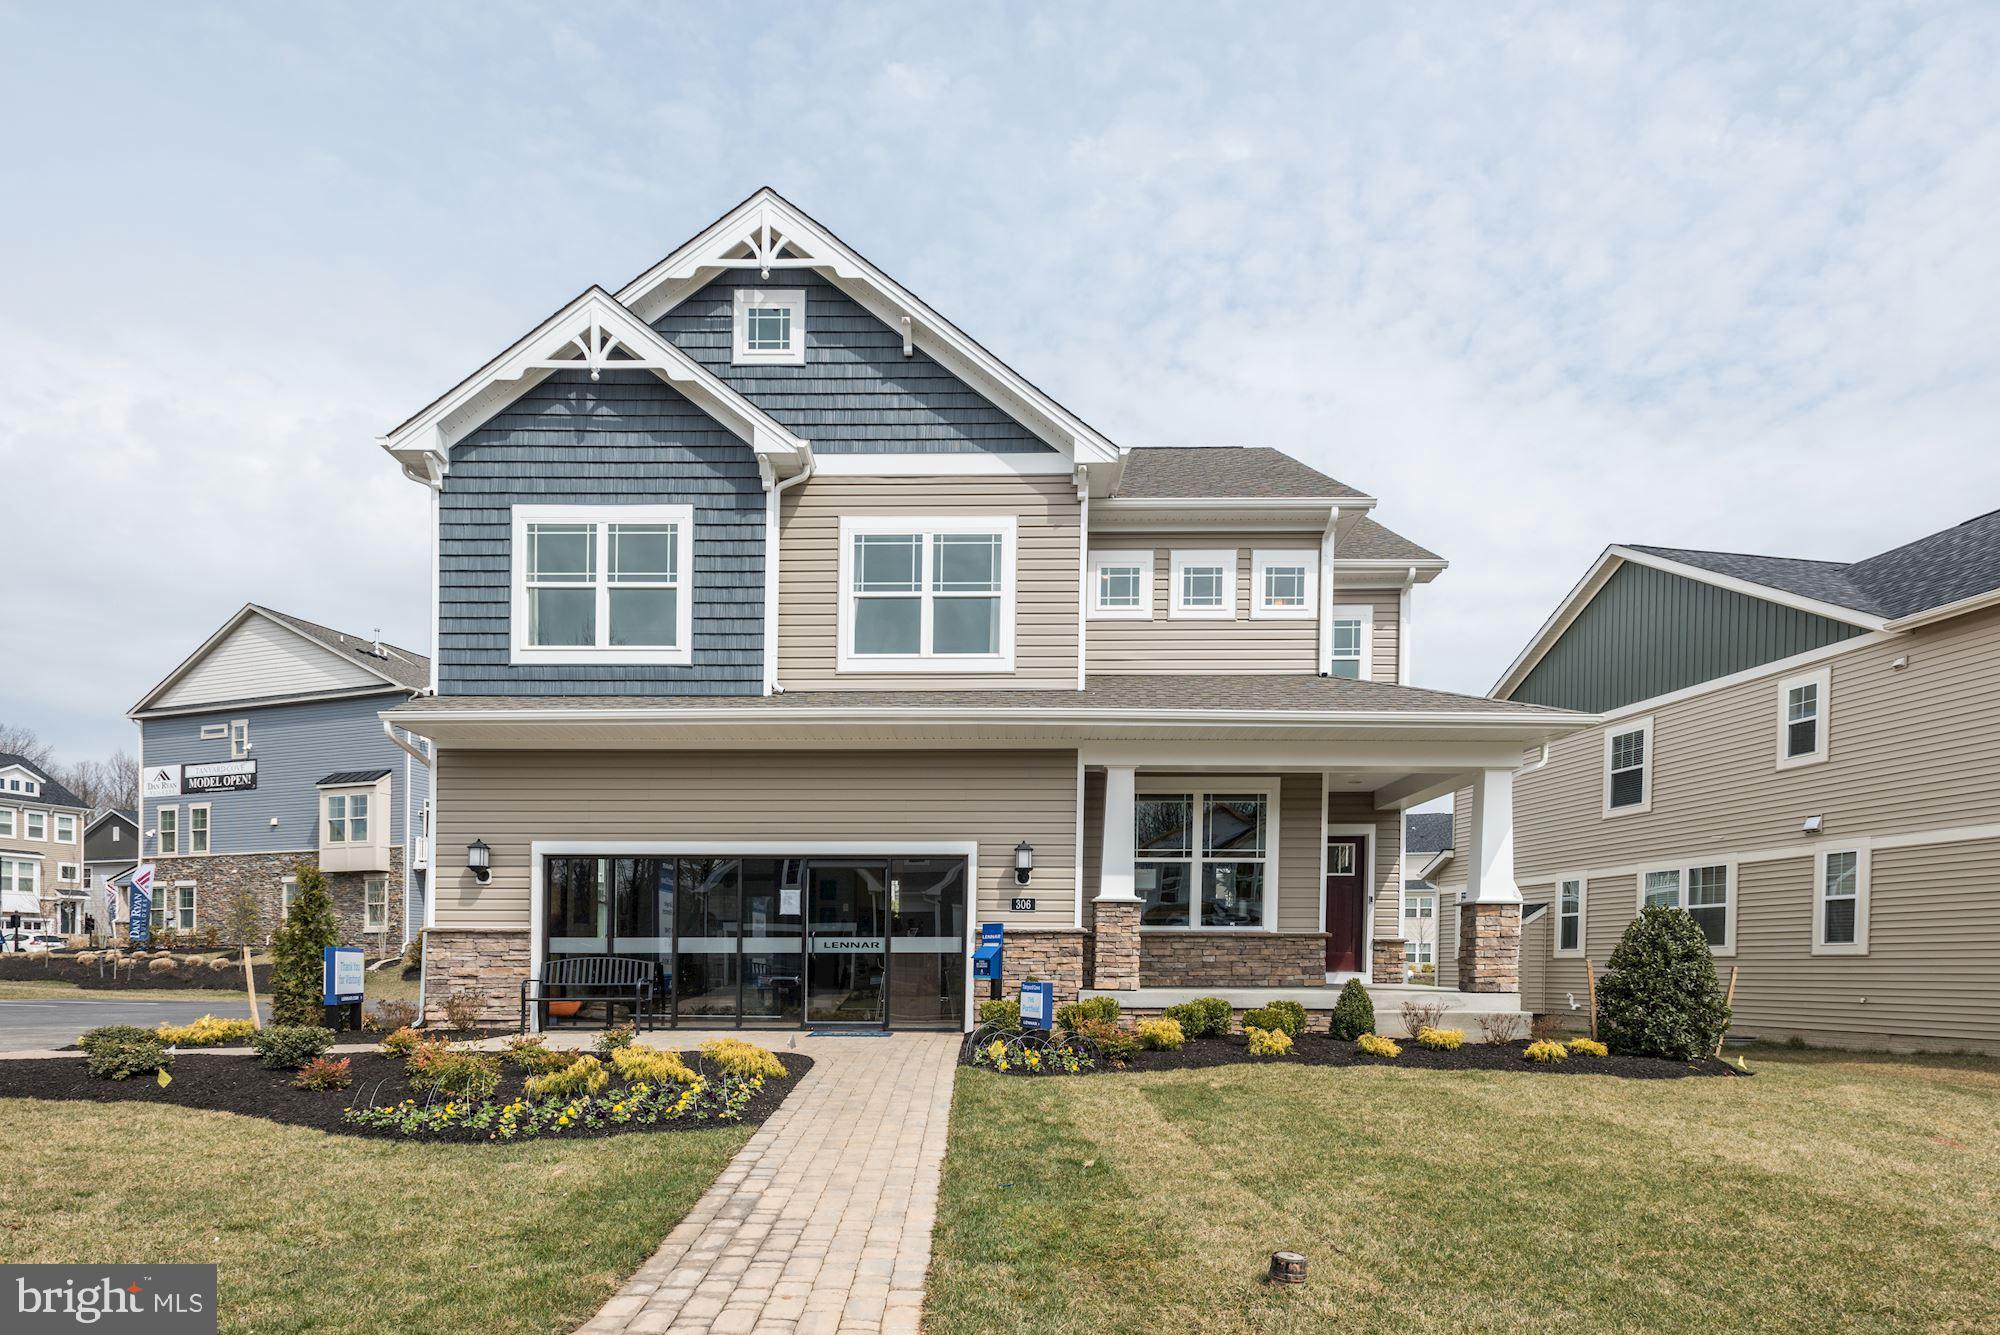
(770, 327)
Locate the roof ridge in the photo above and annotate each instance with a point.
(1754, 556)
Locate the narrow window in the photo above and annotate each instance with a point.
(239, 739)
(336, 818)
(562, 574)
(1708, 902)
(1802, 720)
(1569, 917)
(1347, 648)
(1625, 769)
(288, 891)
(197, 829)
(169, 828)
(1840, 899)
(7, 817)
(357, 818)
(184, 906)
(1164, 839)
(965, 588)
(375, 904)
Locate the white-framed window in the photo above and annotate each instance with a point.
(375, 904)
(1570, 895)
(214, 732)
(1628, 767)
(117, 834)
(89, 877)
(21, 876)
(1204, 584)
(1840, 902)
(35, 826)
(1340, 858)
(926, 594)
(288, 892)
(184, 906)
(1284, 585)
(603, 584)
(1353, 641)
(770, 327)
(8, 817)
(168, 824)
(1802, 718)
(1419, 932)
(239, 739)
(66, 873)
(27, 787)
(1706, 889)
(198, 828)
(1206, 857)
(345, 816)
(1121, 586)
(65, 828)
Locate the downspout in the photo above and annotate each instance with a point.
(1082, 581)
(1326, 595)
(773, 504)
(389, 730)
(1403, 635)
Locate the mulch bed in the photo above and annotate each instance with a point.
(239, 1084)
(1320, 1050)
(56, 968)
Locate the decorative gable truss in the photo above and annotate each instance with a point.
(593, 333)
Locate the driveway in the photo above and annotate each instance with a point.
(38, 1024)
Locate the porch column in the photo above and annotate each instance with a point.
(1115, 911)
(1489, 917)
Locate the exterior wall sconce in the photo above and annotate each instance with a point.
(479, 860)
(1024, 862)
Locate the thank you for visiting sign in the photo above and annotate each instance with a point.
(342, 971)
(1038, 1005)
(140, 928)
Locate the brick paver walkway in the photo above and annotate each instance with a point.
(823, 1222)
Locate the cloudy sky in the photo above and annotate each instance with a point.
(1539, 278)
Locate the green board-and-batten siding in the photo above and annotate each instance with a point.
(1648, 632)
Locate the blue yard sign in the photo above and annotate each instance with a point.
(139, 925)
(986, 959)
(1038, 1005)
(342, 975)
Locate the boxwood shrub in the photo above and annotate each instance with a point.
(290, 1046)
(121, 1051)
(1354, 1012)
(1661, 997)
(1071, 1015)
(1204, 1017)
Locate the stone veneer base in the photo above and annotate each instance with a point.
(1115, 947)
(1052, 954)
(1230, 959)
(492, 964)
(235, 889)
(1489, 947)
(1388, 963)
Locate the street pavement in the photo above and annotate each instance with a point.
(51, 1023)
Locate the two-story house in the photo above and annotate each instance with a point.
(265, 748)
(1805, 755)
(41, 851)
(110, 852)
(785, 634)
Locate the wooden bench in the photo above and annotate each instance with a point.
(614, 980)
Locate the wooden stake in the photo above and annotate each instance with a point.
(1590, 986)
(1728, 1000)
(250, 986)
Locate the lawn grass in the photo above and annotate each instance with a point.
(321, 1233)
(1832, 1191)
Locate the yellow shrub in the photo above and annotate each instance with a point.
(1443, 1040)
(1543, 1050)
(1585, 1047)
(1268, 1042)
(585, 1075)
(1377, 1046)
(207, 1032)
(638, 1064)
(1161, 1035)
(739, 1058)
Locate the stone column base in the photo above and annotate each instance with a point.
(1388, 965)
(1115, 949)
(1054, 956)
(490, 965)
(1489, 947)
(1232, 959)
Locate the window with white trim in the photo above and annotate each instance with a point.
(375, 904)
(1569, 915)
(239, 739)
(168, 824)
(927, 594)
(1802, 718)
(8, 817)
(1284, 584)
(65, 828)
(1204, 584)
(1419, 932)
(1121, 586)
(20, 876)
(184, 906)
(1352, 641)
(66, 873)
(603, 584)
(1704, 890)
(1840, 913)
(769, 327)
(1204, 857)
(288, 893)
(345, 816)
(198, 829)
(35, 826)
(1628, 776)
(214, 732)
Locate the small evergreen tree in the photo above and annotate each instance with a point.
(240, 922)
(296, 951)
(1354, 1012)
(1661, 997)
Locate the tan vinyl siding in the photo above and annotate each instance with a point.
(1358, 808)
(1049, 533)
(998, 798)
(1388, 625)
(1166, 645)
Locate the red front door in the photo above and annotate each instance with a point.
(1346, 901)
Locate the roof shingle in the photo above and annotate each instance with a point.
(53, 794)
(1224, 472)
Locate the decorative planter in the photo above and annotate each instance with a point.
(564, 1010)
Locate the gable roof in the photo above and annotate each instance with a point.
(103, 814)
(1822, 581)
(1370, 541)
(391, 665)
(53, 794)
(1216, 472)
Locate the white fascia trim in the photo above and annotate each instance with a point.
(1261, 559)
(1821, 677)
(845, 660)
(243, 614)
(878, 715)
(271, 702)
(1183, 557)
(1037, 464)
(770, 224)
(1649, 768)
(1140, 557)
(681, 516)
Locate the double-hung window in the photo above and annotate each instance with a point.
(375, 904)
(20, 885)
(1802, 718)
(239, 739)
(8, 815)
(347, 818)
(1204, 857)
(288, 891)
(65, 828)
(926, 595)
(168, 824)
(198, 829)
(769, 327)
(1285, 584)
(1419, 931)
(1121, 586)
(1704, 889)
(603, 584)
(1569, 915)
(1840, 914)
(35, 826)
(184, 906)
(1204, 585)
(1351, 641)
(1628, 775)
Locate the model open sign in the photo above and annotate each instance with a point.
(220, 776)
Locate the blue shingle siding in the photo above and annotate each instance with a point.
(857, 392)
(628, 439)
(295, 747)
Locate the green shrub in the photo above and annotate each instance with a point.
(1354, 1012)
(456, 1072)
(401, 1043)
(1284, 1017)
(1377, 1046)
(1661, 997)
(297, 961)
(1440, 1040)
(1204, 1017)
(585, 1075)
(324, 1073)
(107, 1034)
(616, 1037)
(1267, 1042)
(1105, 1038)
(290, 1046)
(1071, 1014)
(999, 1013)
(121, 1051)
(1161, 1035)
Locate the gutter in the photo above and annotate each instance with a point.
(389, 730)
(1284, 718)
(773, 503)
(1978, 602)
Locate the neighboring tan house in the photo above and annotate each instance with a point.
(41, 852)
(1805, 755)
(264, 749)
(786, 635)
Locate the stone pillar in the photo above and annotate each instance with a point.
(1116, 954)
(1489, 948)
(1115, 945)
(1388, 963)
(1489, 917)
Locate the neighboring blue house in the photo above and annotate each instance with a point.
(265, 749)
